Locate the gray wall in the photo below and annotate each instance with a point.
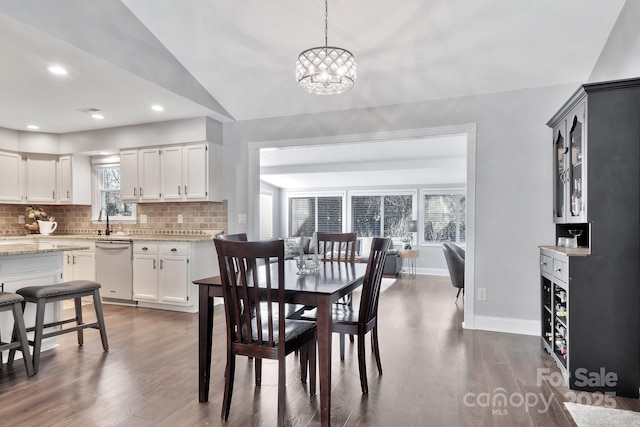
(513, 177)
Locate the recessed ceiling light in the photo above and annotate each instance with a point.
(33, 127)
(97, 116)
(157, 107)
(57, 69)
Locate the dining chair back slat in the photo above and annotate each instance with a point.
(336, 247)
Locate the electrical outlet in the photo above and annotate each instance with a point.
(143, 219)
(20, 219)
(482, 294)
(242, 218)
(180, 218)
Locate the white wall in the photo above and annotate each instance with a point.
(620, 57)
(513, 179)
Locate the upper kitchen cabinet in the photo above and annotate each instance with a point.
(569, 164)
(74, 179)
(129, 175)
(41, 178)
(140, 175)
(11, 178)
(190, 172)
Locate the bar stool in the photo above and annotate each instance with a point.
(13, 302)
(75, 289)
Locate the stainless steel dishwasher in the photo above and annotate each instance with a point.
(114, 268)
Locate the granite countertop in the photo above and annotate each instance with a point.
(115, 236)
(7, 248)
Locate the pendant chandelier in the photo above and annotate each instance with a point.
(326, 70)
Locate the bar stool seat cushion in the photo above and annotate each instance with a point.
(60, 289)
(8, 298)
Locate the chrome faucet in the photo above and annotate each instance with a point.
(107, 231)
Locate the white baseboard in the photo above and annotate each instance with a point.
(504, 324)
(433, 271)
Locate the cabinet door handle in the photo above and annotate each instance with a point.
(179, 189)
(558, 270)
(543, 264)
(74, 259)
(53, 194)
(68, 259)
(185, 190)
(161, 264)
(174, 250)
(68, 195)
(154, 264)
(135, 192)
(141, 192)
(145, 249)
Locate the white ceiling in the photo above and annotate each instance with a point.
(234, 60)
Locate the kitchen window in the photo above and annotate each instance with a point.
(107, 195)
(444, 217)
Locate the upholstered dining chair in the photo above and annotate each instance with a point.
(359, 321)
(265, 333)
(454, 255)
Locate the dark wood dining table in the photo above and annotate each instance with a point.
(333, 281)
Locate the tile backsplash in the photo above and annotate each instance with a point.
(162, 218)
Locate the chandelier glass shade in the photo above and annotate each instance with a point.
(326, 70)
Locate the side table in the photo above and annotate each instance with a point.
(411, 255)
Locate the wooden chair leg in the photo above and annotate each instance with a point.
(258, 371)
(97, 304)
(228, 384)
(376, 348)
(312, 367)
(78, 306)
(304, 360)
(39, 330)
(20, 332)
(282, 391)
(362, 365)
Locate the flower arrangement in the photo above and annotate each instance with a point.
(34, 213)
(407, 240)
(31, 215)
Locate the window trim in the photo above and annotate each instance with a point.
(437, 192)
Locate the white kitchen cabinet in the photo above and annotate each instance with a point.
(81, 264)
(163, 272)
(74, 179)
(149, 174)
(172, 181)
(190, 172)
(145, 272)
(129, 175)
(11, 177)
(41, 178)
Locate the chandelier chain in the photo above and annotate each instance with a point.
(326, 22)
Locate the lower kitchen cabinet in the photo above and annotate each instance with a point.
(80, 265)
(163, 272)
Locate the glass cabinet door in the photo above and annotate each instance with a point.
(575, 168)
(559, 173)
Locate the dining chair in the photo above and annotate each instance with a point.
(348, 320)
(352, 321)
(454, 255)
(336, 247)
(252, 275)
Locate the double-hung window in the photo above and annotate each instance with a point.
(444, 216)
(107, 194)
(382, 214)
(313, 212)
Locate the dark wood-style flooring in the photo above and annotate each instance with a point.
(435, 374)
